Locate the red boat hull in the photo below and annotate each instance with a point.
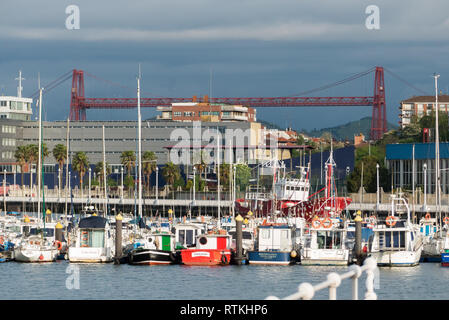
(205, 257)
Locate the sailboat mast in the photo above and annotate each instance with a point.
(437, 149)
(218, 178)
(39, 163)
(139, 142)
(104, 177)
(67, 169)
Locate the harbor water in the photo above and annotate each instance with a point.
(56, 281)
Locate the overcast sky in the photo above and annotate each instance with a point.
(253, 47)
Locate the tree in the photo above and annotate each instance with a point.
(128, 159)
(199, 160)
(60, 155)
(99, 171)
(242, 176)
(224, 175)
(149, 165)
(21, 157)
(369, 175)
(171, 173)
(80, 163)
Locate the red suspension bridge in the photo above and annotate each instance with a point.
(79, 103)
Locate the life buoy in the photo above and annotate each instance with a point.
(326, 223)
(427, 217)
(84, 245)
(446, 220)
(372, 220)
(391, 221)
(224, 259)
(316, 223)
(1, 240)
(58, 244)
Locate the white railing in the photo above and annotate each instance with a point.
(306, 291)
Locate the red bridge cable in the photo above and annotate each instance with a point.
(337, 83)
(66, 75)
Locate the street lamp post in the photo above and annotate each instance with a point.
(4, 189)
(90, 177)
(425, 186)
(194, 188)
(121, 176)
(157, 184)
(59, 183)
(377, 190)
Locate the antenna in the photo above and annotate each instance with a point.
(19, 88)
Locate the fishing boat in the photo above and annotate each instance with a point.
(326, 243)
(291, 196)
(93, 241)
(396, 242)
(157, 249)
(213, 248)
(275, 245)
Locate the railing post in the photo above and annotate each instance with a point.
(335, 280)
(355, 281)
(371, 263)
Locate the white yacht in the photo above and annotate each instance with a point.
(433, 239)
(93, 241)
(396, 242)
(326, 243)
(36, 248)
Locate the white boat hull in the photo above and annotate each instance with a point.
(324, 257)
(35, 255)
(90, 255)
(397, 258)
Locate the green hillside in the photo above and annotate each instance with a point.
(348, 130)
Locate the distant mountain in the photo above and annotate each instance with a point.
(348, 130)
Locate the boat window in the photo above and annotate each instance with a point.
(181, 236)
(47, 233)
(189, 237)
(395, 239)
(265, 233)
(321, 239)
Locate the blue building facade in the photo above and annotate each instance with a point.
(406, 162)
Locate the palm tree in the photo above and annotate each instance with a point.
(32, 153)
(80, 164)
(21, 158)
(128, 159)
(60, 155)
(99, 171)
(148, 165)
(171, 173)
(224, 174)
(200, 163)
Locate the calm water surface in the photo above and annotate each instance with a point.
(108, 281)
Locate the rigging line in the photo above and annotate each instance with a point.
(406, 82)
(51, 83)
(48, 89)
(350, 78)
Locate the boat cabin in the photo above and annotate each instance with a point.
(93, 231)
(162, 241)
(275, 238)
(386, 238)
(186, 234)
(214, 241)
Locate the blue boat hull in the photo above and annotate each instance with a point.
(269, 257)
(445, 259)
